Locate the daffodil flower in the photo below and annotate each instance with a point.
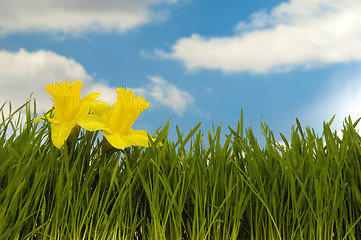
(68, 108)
(116, 121)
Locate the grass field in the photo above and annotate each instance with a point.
(307, 187)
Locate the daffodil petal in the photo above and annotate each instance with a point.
(98, 119)
(60, 133)
(138, 138)
(49, 115)
(89, 97)
(135, 137)
(92, 123)
(53, 120)
(83, 110)
(38, 119)
(116, 140)
(101, 109)
(98, 108)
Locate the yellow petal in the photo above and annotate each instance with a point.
(38, 119)
(135, 138)
(85, 107)
(98, 119)
(138, 138)
(48, 115)
(101, 109)
(60, 133)
(115, 140)
(92, 123)
(89, 97)
(51, 120)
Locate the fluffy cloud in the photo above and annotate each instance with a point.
(26, 73)
(296, 33)
(23, 73)
(166, 94)
(77, 16)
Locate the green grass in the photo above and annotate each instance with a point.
(306, 188)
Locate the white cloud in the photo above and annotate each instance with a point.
(70, 16)
(23, 73)
(295, 33)
(166, 94)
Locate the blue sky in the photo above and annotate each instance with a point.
(193, 60)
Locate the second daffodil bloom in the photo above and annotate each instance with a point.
(116, 121)
(68, 108)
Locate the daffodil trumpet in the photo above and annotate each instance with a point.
(116, 121)
(68, 109)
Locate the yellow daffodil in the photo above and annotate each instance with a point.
(116, 121)
(68, 108)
